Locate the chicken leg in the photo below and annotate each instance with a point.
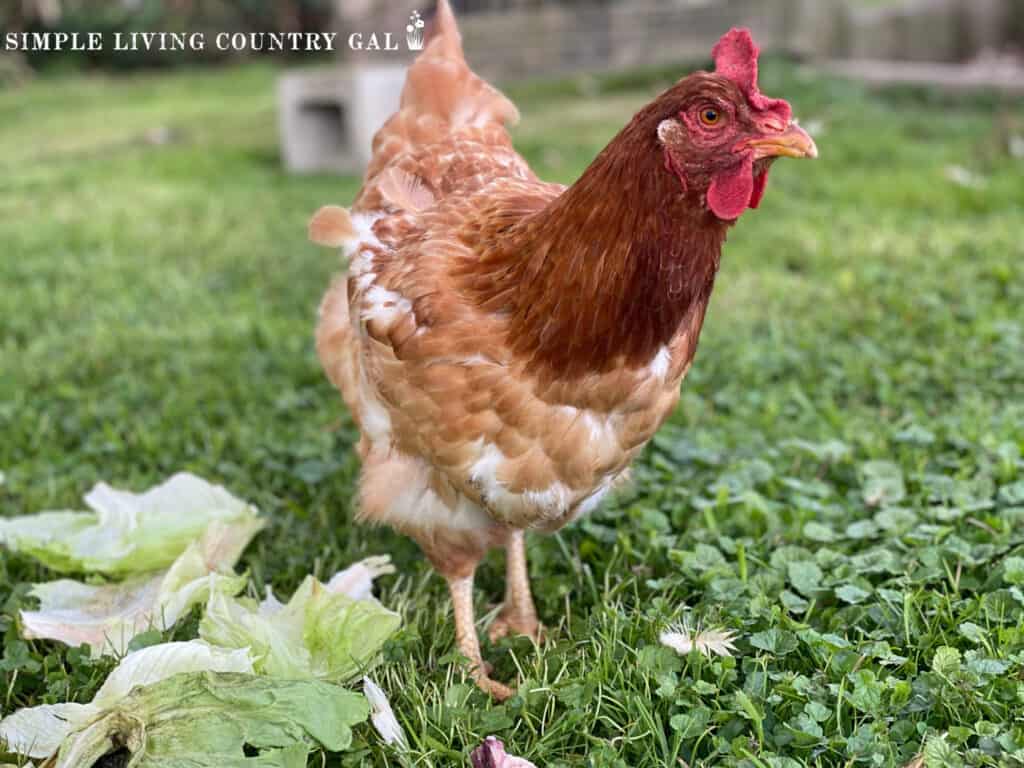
(518, 615)
(466, 639)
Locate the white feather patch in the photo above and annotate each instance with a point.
(659, 365)
(382, 304)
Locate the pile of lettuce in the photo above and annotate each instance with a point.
(172, 546)
(262, 686)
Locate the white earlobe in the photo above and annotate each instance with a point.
(666, 128)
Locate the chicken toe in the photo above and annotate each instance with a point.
(467, 641)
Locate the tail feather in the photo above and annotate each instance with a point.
(442, 98)
(446, 30)
(441, 84)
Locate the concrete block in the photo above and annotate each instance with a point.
(328, 117)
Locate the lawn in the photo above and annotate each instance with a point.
(842, 484)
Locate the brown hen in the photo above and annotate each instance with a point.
(507, 346)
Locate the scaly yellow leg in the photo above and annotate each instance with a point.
(518, 615)
(466, 638)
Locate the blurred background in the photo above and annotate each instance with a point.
(327, 116)
(160, 293)
(158, 298)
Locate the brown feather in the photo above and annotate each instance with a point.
(331, 226)
(405, 191)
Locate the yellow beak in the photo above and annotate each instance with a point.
(793, 142)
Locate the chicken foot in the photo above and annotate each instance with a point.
(466, 639)
(518, 615)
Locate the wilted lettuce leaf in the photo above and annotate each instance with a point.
(126, 532)
(39, 731)
(209, 718)
(182, 705)
(108, 616)
(320, 633)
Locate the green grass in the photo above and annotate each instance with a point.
(842, 484)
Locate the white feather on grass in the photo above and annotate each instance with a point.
(711, 641)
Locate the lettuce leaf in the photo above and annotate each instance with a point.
(39, 731)
(322, 632)
(182, 705)
(207, 718)
(125, 532)
(108, 616)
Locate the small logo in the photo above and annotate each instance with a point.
(414, 32)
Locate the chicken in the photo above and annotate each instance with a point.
(507, 346)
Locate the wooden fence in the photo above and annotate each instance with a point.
(511, 39)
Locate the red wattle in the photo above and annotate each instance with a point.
(760, 184)
(732, 191)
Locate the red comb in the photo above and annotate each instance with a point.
(736, 58)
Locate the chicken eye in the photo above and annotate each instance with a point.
(710, 116)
